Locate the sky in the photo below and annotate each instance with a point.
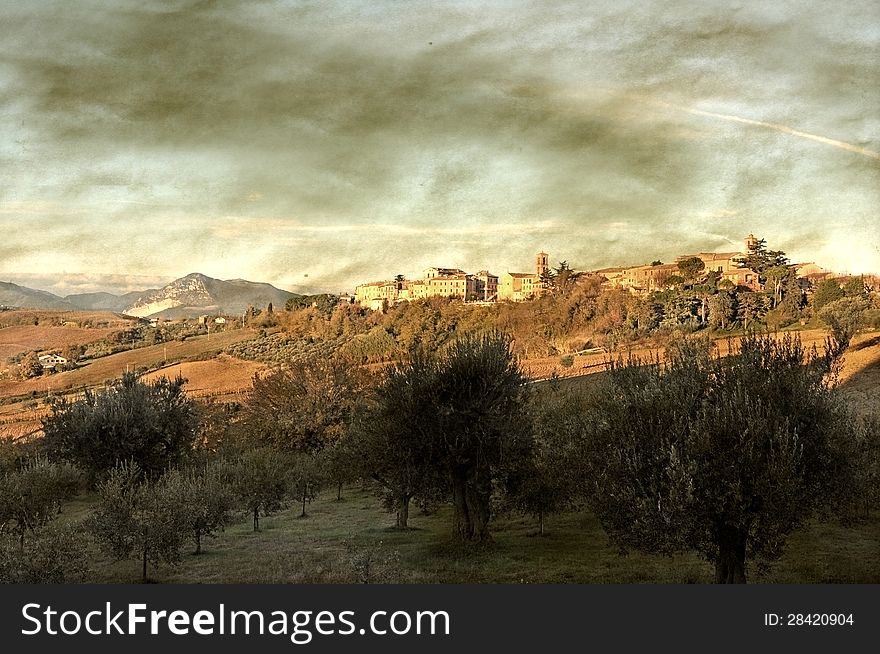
(316, 145)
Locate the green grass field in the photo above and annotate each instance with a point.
(351, 542)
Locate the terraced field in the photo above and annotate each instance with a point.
(25, 400)
(211, 374)
(223, 377)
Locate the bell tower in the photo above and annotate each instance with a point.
(751, 243)
(541, 266)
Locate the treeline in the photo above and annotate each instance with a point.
(721, 456)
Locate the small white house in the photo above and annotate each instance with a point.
(51, 360)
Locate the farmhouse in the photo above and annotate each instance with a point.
(51, 360)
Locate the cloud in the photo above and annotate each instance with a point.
(256, 138)
(72, 283)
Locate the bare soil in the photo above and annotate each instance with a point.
(24, 338)
(27, 401)
(223, 376)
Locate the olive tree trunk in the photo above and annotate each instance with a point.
(730, 561)
(471, 493)
(403, 512)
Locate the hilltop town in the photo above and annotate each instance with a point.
(484, 287)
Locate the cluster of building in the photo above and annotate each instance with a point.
(455, 283)
(486, 287)
(730, 266)
(654, 277)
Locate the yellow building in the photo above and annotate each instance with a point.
(486, 286)
(438, 282)
(376, 294)
(460, 286)
(644, 279)
(517, 287)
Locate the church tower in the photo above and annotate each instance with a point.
(751, 243)
(541, 266)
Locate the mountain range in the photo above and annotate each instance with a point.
(190, 296)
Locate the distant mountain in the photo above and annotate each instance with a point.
(198, 294)
(189, 296)
(106, 301)
(13, 295)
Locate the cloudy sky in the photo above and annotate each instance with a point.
(317, 144)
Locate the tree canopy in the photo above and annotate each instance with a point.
(691, 269)
(150, 424)
(761, 259)
(725, 456)
(463, 413)
(305, 405)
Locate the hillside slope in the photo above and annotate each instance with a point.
(13, 295)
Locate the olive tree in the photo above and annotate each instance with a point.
(259, 481)
(151, 424)
(722, 455)
(31, 495)
(306, 473)
(139, 518)
(54, 554)
(392, 436)
(461, 414)
(205, 498)
(482, 425)
(546, 482)
(845, 317)
(304, 406)
(341, 464)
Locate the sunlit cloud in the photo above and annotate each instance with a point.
(317, 145)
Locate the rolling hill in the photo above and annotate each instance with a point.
(13, 295)
(105, 301)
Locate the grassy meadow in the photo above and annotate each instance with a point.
(353, 541)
